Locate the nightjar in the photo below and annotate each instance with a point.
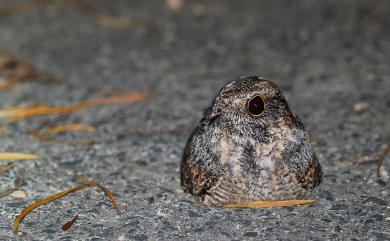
(249, 147)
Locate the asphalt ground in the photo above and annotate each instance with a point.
(330, 58)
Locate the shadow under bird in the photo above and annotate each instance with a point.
(249, 147)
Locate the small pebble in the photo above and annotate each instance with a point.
(174, 5)
(250, 234)
(122, 238)
(360, 106)
(371, 76)
(19, 194)
(198, 9)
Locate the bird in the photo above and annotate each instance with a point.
(249, 146)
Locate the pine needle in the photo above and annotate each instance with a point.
(264, 204)
(381, 158)
(45, 137)
(33, 206)
(41, 136)
(9, 84)
(20, 113)
(86, 181)
(6, 168)
(104, 189)
(71, 127)
(16, 156)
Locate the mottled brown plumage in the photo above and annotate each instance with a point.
(249, 146)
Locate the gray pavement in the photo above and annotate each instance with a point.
(327, 56)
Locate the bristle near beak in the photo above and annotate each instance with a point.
(215, 113)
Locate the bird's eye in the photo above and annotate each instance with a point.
(255, 105)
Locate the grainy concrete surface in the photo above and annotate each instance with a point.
(325, 55)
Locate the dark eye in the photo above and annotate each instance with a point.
(256, 105)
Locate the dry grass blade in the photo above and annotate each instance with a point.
(64, 128)
(33, 206)
(71, 127)
(104, 189)
(264, 204)
(44, 137)
(381, 158)
(41, 136)
(6, 168)
(16, 156)
(17, 186)
(20, 113)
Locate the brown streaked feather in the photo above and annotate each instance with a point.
(313, 176)
(290, 119)
(192, 177)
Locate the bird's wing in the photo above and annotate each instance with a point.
(313, 175)
(195, 176)
(308, 176)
